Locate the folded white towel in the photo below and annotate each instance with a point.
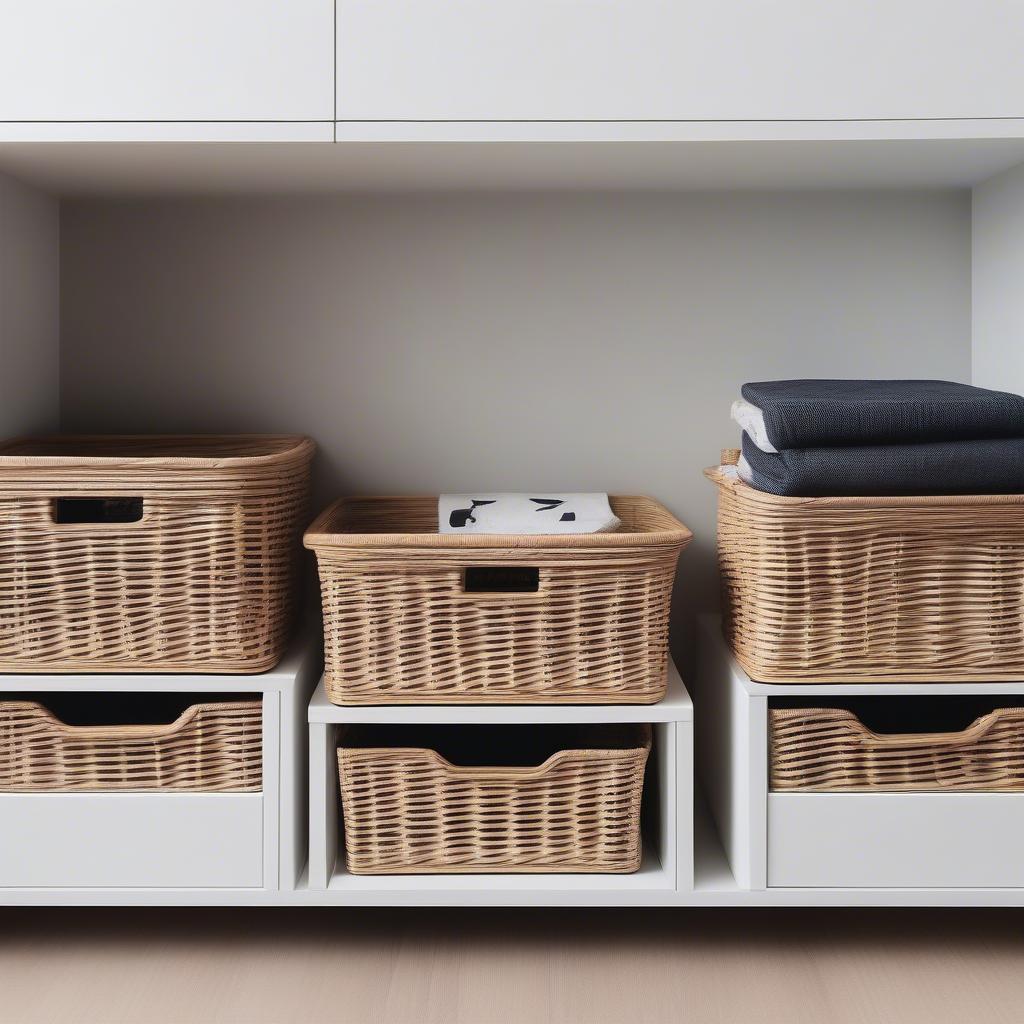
(525, 513)
(751, 419)
(743, 470)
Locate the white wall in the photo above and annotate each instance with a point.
(29, 310)
(545, 342)
(998, 287)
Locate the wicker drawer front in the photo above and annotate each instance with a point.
(403, 626)
(871, 589)
(210, 747)
(830, 749)
(410, 811)
(179, 554)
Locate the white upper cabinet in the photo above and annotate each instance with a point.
(679, 59)
(166, 60)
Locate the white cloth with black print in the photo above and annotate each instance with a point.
(531, 513)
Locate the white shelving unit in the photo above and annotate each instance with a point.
(462, 244)
(720, 875)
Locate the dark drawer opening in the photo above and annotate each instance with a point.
(97, 511)
(908, 714)
(99, 709)
(495, 746)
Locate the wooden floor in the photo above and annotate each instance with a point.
(478, 967)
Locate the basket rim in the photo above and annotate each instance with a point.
(511, 773)
(324, 532)
(123, 732)
(280, 448)
(977, 729)
(719, 476)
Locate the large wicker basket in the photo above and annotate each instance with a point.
(166, 554)
(819, 590)
(830, 749)
(403, 625)
(409, 810)
(215, 746)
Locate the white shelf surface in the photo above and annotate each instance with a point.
(707, 130)
(480, 887)
(675, 707)
(110, 161)
(116, 133)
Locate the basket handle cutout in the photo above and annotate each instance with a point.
(975, 731)
(501, 579)
(92, 511)
(116, 732)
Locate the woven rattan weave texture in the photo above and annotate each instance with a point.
(410, 811)
(830, 749)
(216, 746)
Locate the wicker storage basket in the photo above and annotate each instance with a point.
(215, 746)
(409, 810)
(167, 554)
(819, 590)
(404, 625)
(830, 749)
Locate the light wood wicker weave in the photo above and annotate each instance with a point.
(409, 810)
(203, 582)
(830, 749)
(216, 746)
(399, 627)
(818, 590)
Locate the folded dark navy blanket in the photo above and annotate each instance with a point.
(945, 467)
(831, 413)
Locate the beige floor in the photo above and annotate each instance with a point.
(474, 967)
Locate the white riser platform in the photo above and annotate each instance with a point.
(164, 844)
(840, 849)
(668, 862)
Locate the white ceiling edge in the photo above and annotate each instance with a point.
(148, 169)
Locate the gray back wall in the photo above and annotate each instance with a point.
(503, 342)
(29, 310)
(998, 269)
